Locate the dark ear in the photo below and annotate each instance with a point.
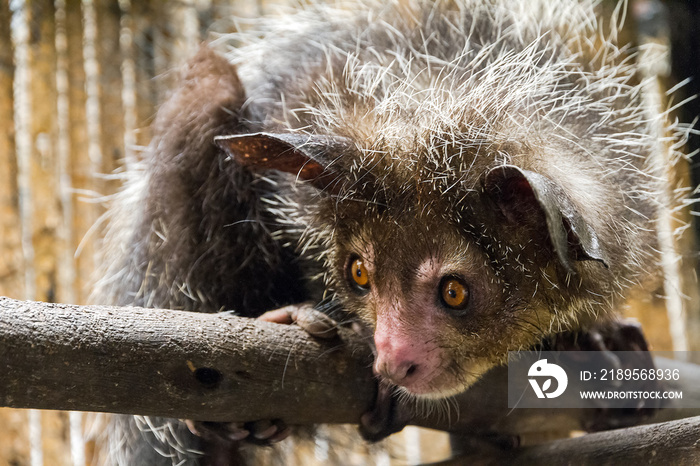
(310, 158)
(517, 192)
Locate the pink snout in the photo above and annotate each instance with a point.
(406, 361)
(400, 369)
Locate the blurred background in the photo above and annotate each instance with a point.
(80, 81)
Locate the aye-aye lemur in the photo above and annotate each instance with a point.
(464, 177)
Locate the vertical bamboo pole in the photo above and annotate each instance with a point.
(41, 157)
(22, 103)
(183, 37)
(77, 178)
(11, 274)
(14, 446)
(66, 274)
(109, 58)
(145, 18)
(39, 172)
(676, 239)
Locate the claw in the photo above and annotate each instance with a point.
(316, 323)
(192, 427)
(217, 431)
(236, 431)
(263, 430)
(280, 435)
(260, 432)
(282, 315)
(267, 432)
(312, 321)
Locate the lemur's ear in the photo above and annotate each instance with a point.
(310, 158)
(517, 192)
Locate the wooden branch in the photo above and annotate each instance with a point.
(212, 367)
(218, 367)
(674, 442)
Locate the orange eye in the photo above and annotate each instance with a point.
(358, 273)
(454, 293)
